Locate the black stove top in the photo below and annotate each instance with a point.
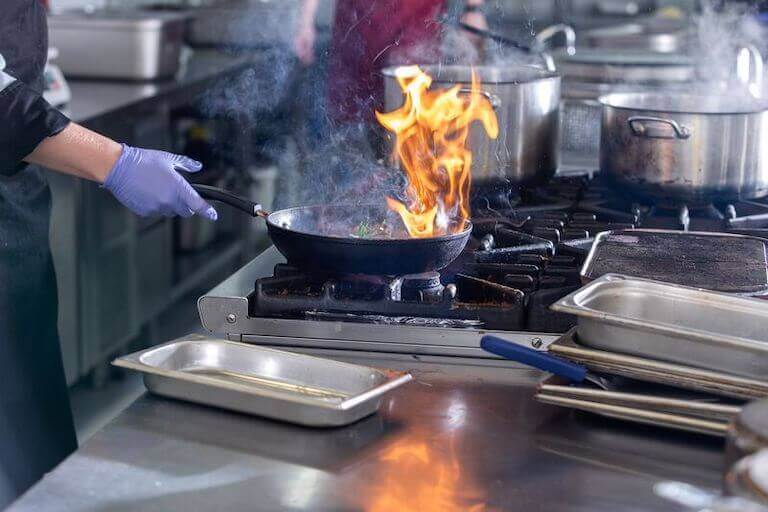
(526, 252)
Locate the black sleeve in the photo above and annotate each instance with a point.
(26, 119)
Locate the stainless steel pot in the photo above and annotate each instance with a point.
(528, 110)
(653, 34)
(685, 146)
(603, 65)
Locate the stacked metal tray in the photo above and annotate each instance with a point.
(671, 323)
(653, 370)
(690, 412)
(649, 391)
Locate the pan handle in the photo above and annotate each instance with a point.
(234, 200)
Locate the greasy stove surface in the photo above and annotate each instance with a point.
(526, 252)
(461, 437)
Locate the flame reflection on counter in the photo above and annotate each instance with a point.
(418, 477)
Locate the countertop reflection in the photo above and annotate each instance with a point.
(461, 437)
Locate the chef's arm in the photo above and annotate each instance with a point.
(145, 181)
(78, 151)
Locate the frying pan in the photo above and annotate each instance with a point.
(319, 238)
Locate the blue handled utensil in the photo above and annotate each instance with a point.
(574, 372)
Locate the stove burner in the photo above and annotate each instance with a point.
(527, 251)
(425, 287)
(410, 299)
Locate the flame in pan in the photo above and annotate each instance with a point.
(431, 130)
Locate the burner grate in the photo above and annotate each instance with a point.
(527, 251)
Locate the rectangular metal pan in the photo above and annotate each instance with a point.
(672, 323)
(659, 419)
(649, 370)
(663, 400)
(254, 380)
(724, 262)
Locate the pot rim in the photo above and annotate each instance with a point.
(538, 73)
(758, 106)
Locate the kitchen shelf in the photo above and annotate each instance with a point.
(193, 269)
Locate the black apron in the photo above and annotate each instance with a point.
(36, 428)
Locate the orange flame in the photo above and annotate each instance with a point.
(431, 130)
(424, 480)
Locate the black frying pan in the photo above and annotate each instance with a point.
(321, 238)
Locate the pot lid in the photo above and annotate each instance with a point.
(623, 57)
(684, 103)
(578, 89)
(514, 74)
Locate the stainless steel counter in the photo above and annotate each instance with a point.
(92, 99)
(462, 435)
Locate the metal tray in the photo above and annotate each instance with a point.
(672, 323)
(723, 262)
(254, 380)
(658, 372)
(647, 397)
(635, 415)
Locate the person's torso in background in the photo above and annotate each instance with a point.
(369, 35)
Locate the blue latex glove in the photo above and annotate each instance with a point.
(147, 182)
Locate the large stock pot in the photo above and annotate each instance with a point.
(527, 104)
(685, 146)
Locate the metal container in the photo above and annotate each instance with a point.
(645, 369)
(672, 323)
(748, 432)
(255, 380)
(527, 149)
(624, 66)
(689, 414)
(127, 45)
(656, 34)
(685, 146)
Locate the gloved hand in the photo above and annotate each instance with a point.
(147, 183)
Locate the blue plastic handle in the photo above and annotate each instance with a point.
(528, 356)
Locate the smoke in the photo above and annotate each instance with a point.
(719, 34)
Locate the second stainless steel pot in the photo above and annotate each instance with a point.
(528, 110)
(685, 146)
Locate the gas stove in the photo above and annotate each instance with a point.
(526, 252)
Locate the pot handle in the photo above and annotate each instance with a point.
(541, 43)
(749, 69)
(646, 126)
(494, 100)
